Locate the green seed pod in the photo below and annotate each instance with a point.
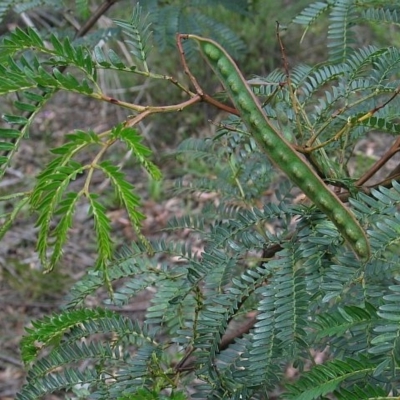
(279, 150)
(212, 52)
(297, 171)
(283, 156)
(224, 67)
(232, 84)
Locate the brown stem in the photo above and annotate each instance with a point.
(102, 9)
(146, 111)
(380, 163)
(189, 359)
(230, 337)
(205, 97)
(387, 182)
(179, 38)
(283, 54)
(373, 111)
(210, 100)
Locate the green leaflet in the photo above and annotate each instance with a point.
(279, 150)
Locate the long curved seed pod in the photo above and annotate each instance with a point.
(279, 150)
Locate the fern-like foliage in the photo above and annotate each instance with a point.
(29, 75)
(80, 324)
(138, 30)
(273, 281)
(195, 17)
(343, 16)
(197, 300)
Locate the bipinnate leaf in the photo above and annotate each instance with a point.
(102, 225)
(138, 30)
(50, 330)
(48, 193)
(66, 209)
(324, 379)
(133, 141)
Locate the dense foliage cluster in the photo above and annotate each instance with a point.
(275, 281)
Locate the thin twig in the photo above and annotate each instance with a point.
(346, 127)
(380, 163)
(179, 38)
(102, 9)
(204, 96)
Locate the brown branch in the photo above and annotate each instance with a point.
(380, 163)
(205, 97)
(179, 38)
(186, 364)
(102, 9)
(210, 100)
(187, 361)
(283, 54)
(146, 111)
(230, 337)
(374, 110)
